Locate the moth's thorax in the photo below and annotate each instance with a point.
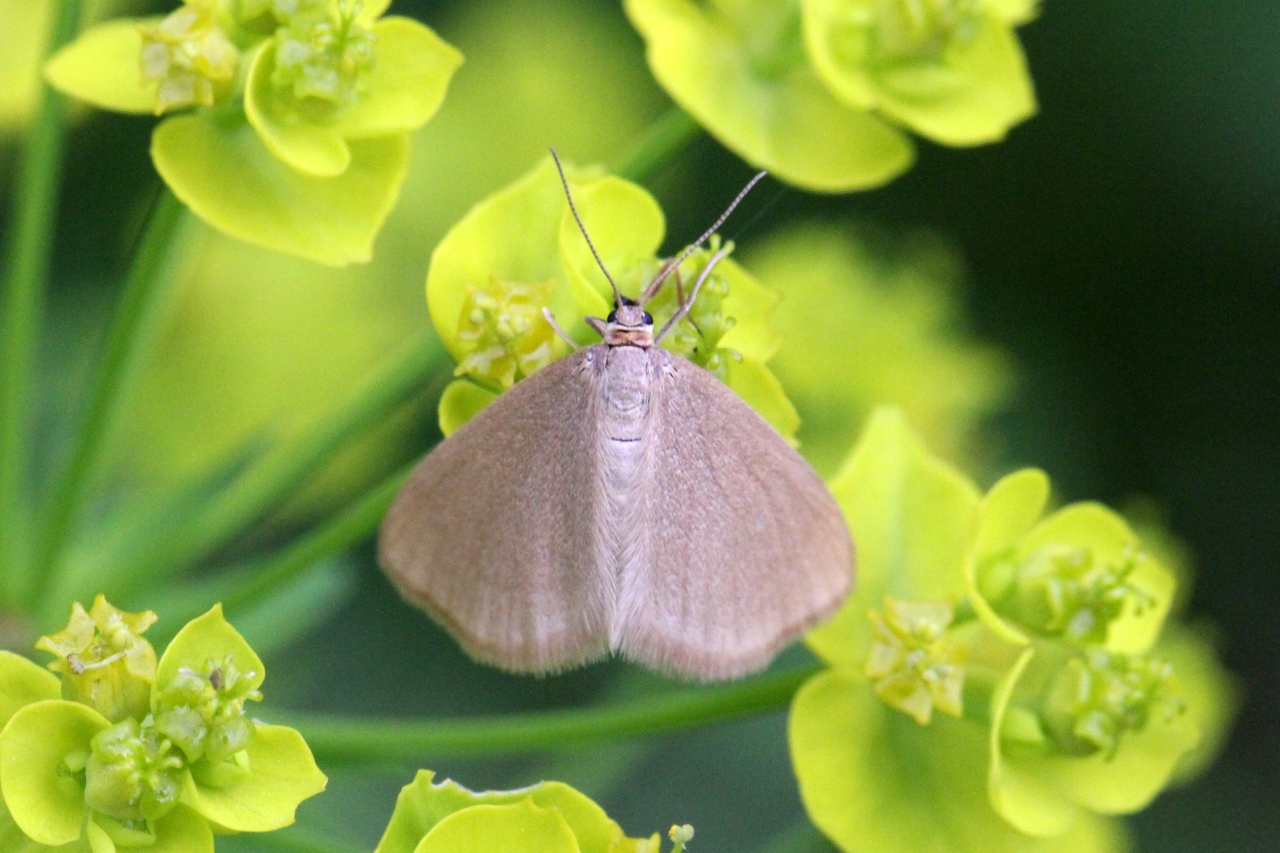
(625, 375)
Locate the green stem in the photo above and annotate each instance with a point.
(267, 485)
(337, 740)
(355, 524)
(670, 135)
(146, 291)
(25, 283)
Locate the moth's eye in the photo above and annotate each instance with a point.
(612, 318)
(648, 319)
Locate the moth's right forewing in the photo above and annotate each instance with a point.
(492, 533)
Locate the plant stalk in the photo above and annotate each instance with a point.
(147, 287)
(25, 285)
(346, 741)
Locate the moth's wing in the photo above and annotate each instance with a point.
(746, 547)
(492, 533)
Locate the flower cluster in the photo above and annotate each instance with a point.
(121, 751)
(816, 91)
(296, 122)
(1066, 693)
(520, 251)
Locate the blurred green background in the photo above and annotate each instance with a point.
(1121, 249)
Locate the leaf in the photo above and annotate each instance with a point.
(782, 119)
(217, 165)
(103, 67)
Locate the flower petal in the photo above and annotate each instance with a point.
(209, 638)
(755, 384)
(786, 122)
(519, 828)
(102, 67)
(22, 683)
(307, 146)
(47, 804)
(281, 774)
(461, 401)
(913, 519)
(988, 90)
(218, 166)
(405, 87)
(876, 782)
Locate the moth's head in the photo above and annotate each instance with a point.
(628, 324)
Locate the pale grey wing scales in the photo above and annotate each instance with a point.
(492, 533)
(746, 547)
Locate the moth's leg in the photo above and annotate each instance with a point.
(546, 312)
(680, 303)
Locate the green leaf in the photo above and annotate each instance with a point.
(307, 146)
(41, 796)
(22, 683)
(461, 401)
(876, 782)
(209, 638)
(281, 773)
(219, 167)
(103, 67)
(406, 85)
(764, 104)
(912, 518)
(520, 828)
(423, 804)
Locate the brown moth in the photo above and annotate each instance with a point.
(620, 500)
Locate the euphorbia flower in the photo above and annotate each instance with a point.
(298, 140)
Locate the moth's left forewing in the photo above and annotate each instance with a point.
(746, 548)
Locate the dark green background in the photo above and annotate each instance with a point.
(1123, 245)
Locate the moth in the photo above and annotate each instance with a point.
(620, 500)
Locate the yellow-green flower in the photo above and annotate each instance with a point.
(298, 140)
(520, 251)
(814, 90)
(103, 659)
(1045, 735)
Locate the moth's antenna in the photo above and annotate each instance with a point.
(671, 267)
(617, 295)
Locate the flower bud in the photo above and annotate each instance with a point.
(505, 332)
(923, 29)
(104, 661)
(321, 54)
(1096, 700)
(189, 56)
(203, 712)
(132, 773)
